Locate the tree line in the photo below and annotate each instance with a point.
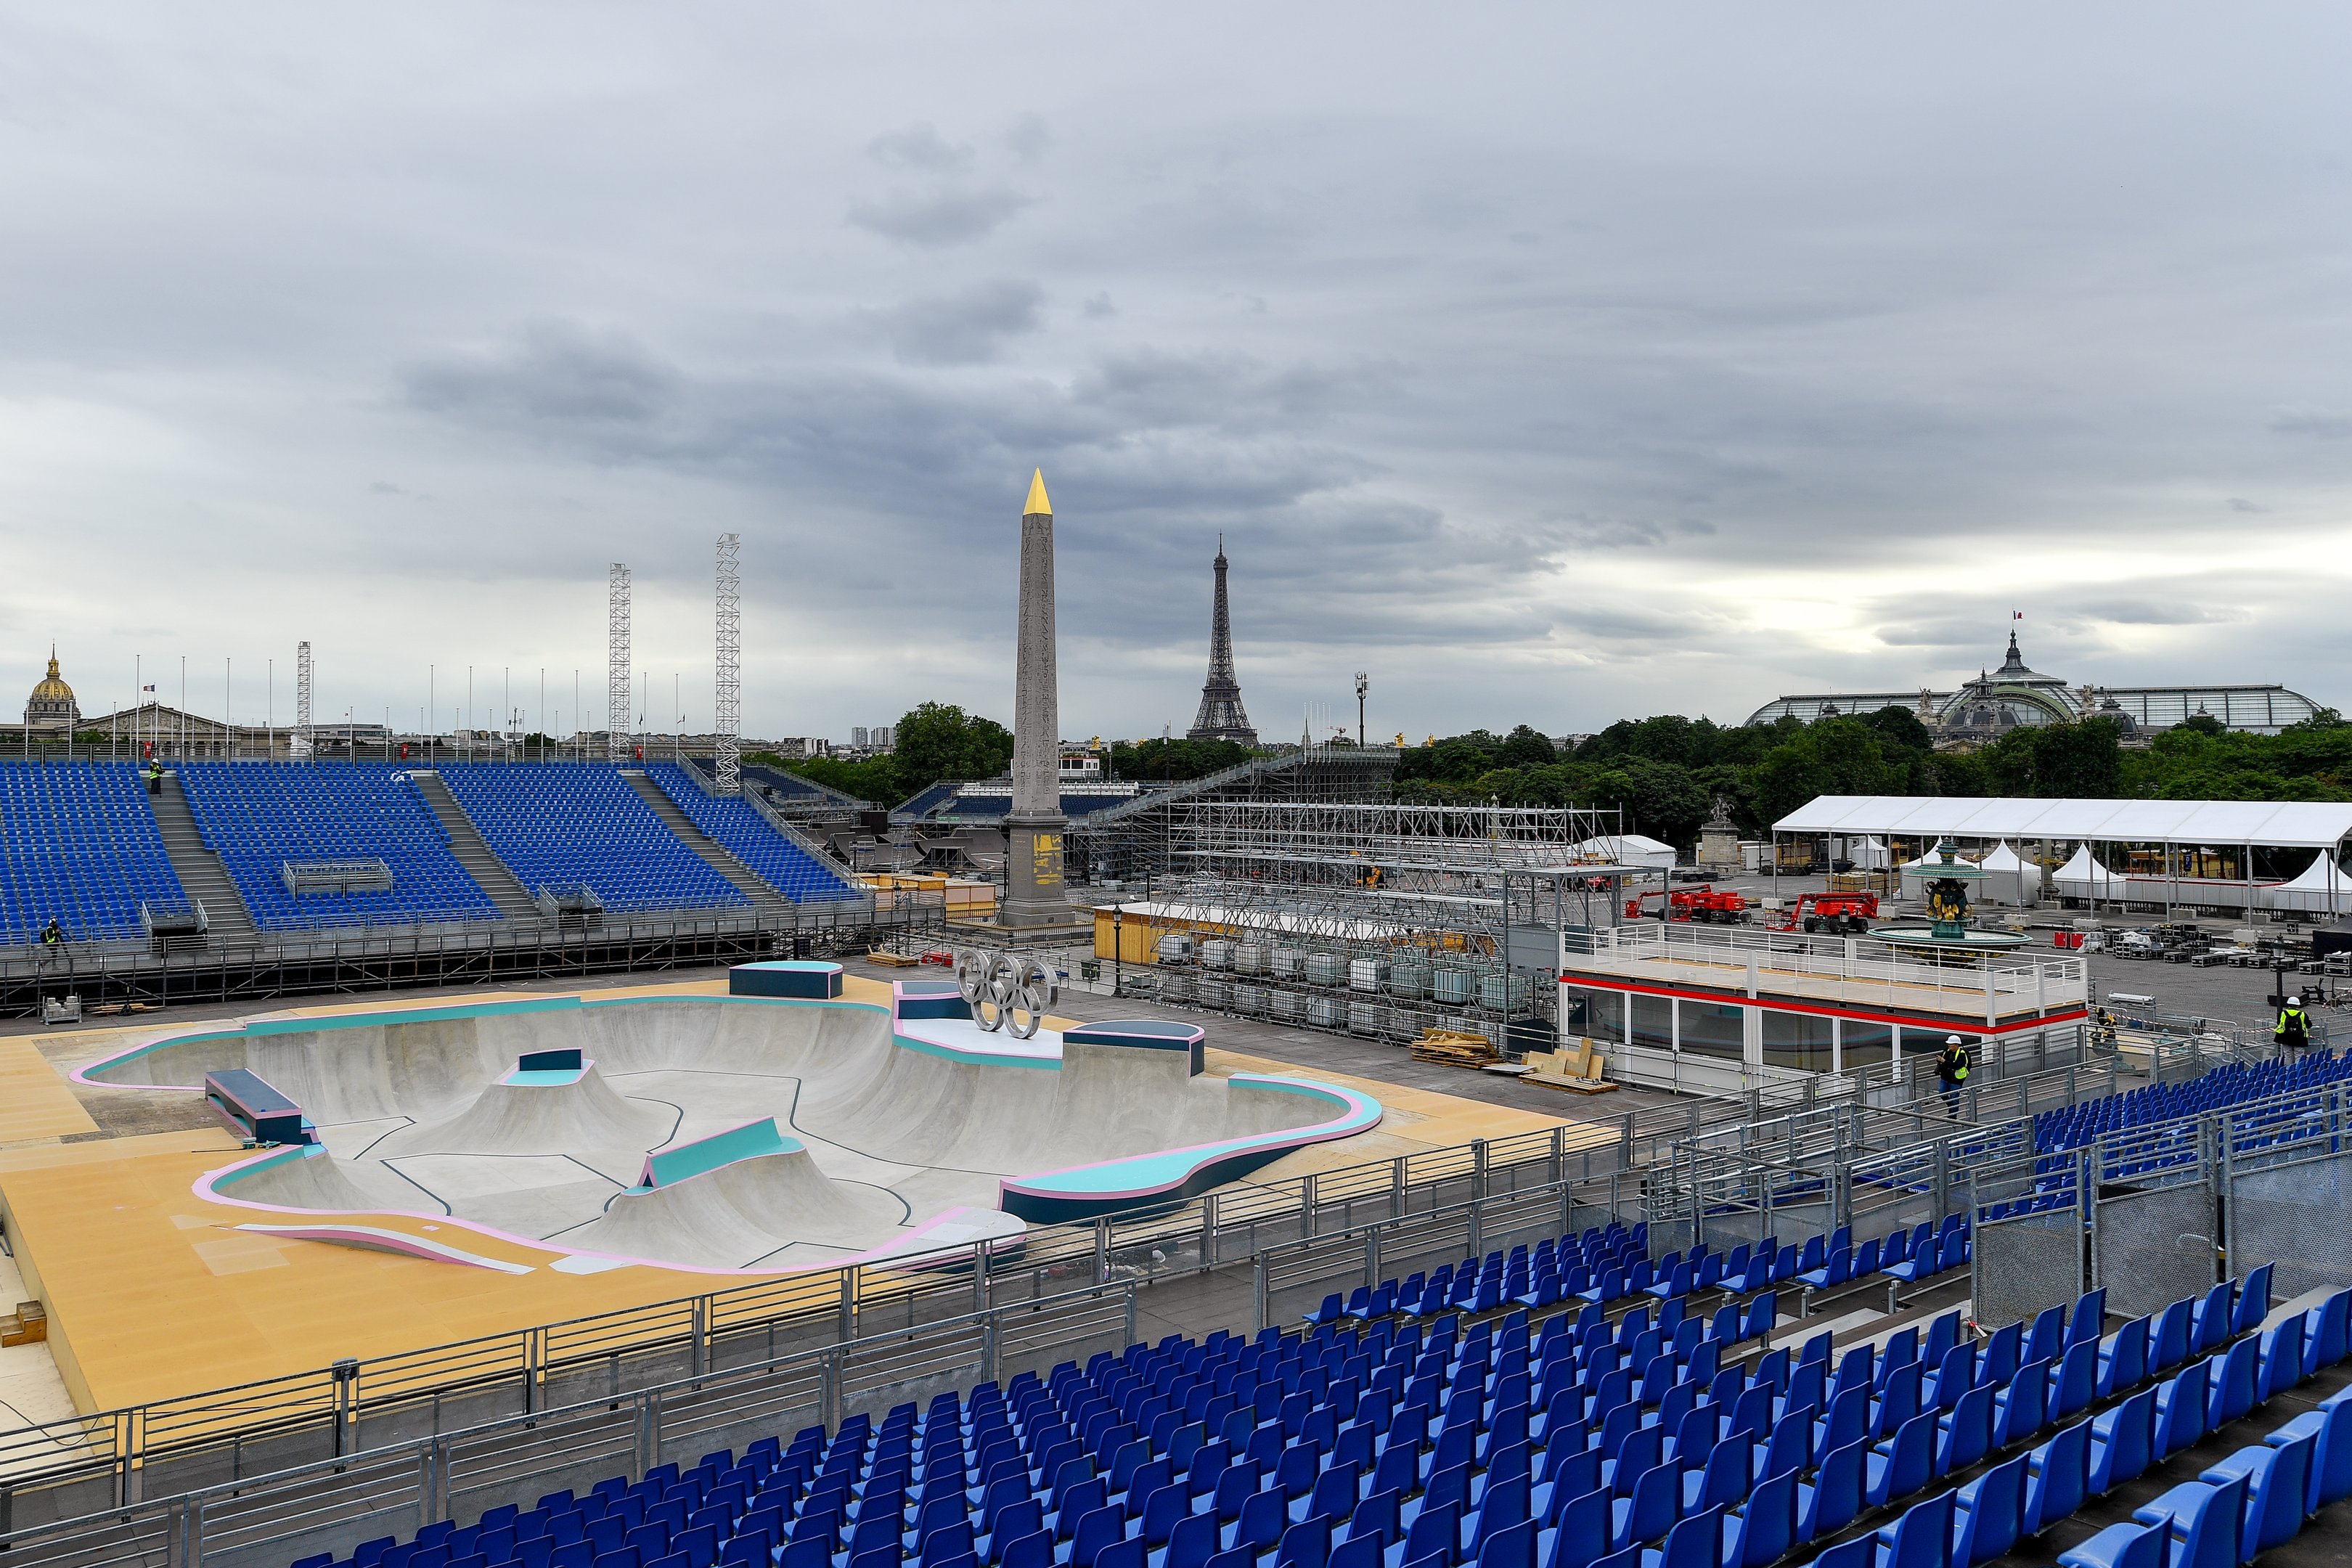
(1665, 773)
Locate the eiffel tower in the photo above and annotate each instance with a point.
(1221, 717)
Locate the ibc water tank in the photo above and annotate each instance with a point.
(1451, 986)
(1368, 974)
(1326, 968)
(1216, 953)
(1176, 947)
(1409, 980)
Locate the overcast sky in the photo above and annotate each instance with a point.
(1551, 365)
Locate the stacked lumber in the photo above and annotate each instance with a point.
(1454, 1047)
(30, 1324)
(1573, 1072)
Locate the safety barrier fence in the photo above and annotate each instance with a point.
(330, 1505)
(2156, 1212)
(69, 1466)
(382, 958)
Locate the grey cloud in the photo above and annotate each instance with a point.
(1030, 138)
(1627, 533)
(559, 372)
(966, 328)
(1098, 305)
(936, 219)
(2323, 424)
(2156, 613)
(922, 147)
(2252, 509)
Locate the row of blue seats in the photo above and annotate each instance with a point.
(555, 825)
(257, 817)
(79, 843)
(738, 826)
(1538, 1278)
(2249, 1502)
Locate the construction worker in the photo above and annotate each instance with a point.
(1952, 1070)
(154, 775)
(2293, 1032)
(52, 933)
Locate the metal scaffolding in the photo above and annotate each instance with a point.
(727, 711)
(302, 746)
(617, 664)
(1380, 919)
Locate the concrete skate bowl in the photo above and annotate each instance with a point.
(725, 1133)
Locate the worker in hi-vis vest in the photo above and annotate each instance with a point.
(2293, 1029)
(1952, 1070)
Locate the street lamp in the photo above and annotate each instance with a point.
(1363, 684)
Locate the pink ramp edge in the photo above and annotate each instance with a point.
(896, 1251)
(373, 1237)
(1348, 1123)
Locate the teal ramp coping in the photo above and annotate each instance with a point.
(1144, 1034)
(671, 1167)
(808, 980)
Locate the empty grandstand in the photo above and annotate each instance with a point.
(78, 844)
(298, 837)
(561, 827)
(737, 826)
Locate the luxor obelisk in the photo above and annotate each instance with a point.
(1033, 867)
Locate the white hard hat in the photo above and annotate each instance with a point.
(2294, 1001)
(1952, 1040)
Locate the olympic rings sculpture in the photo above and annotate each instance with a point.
(1005, 991)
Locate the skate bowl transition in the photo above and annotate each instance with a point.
(737, 1134)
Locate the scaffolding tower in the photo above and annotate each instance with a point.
(727, 710)
(617, 664)
(301, 745)
(1380, 919)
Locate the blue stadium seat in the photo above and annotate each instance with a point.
(79, 843)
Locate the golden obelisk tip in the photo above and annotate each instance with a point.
(1038, 505)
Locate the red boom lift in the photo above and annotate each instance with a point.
(1704, 903)
(1846, 913)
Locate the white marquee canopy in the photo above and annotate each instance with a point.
(2309, 825)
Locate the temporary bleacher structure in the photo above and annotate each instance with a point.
(271, 822)
(1576, 1442)
(79, 843)
(752, 840)
(566, 825)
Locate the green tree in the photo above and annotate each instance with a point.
(1524, 748)
(938, 741)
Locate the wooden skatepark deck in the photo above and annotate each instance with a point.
(151, 1291)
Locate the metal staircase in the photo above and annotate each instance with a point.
(719, 858)
(472, 851)
(201, 876)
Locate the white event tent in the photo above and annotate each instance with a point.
(2170, 825)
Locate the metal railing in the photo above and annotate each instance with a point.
(1845, 970)
(278, 1421)
(331, 1504)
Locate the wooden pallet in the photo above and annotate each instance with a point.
(888, 960)
(1453, 1048)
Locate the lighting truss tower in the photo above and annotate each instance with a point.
(727, 710)
(617, 664)
(301, 741)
